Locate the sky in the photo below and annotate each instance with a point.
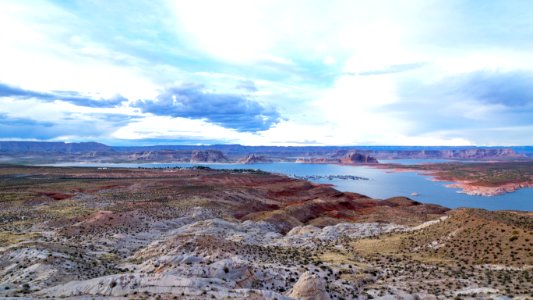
(254, 72)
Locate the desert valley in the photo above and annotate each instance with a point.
(277, 150)
(201, 233)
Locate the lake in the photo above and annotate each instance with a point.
(381, 184)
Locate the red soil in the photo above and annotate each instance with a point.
(55, 195)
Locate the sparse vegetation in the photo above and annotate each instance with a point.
(123, 228)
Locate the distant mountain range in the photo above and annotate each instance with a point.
(42, 152)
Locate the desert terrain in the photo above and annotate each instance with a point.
(237, 234)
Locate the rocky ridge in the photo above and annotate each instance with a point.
(254, 159)
(340, 157)
(18, 151)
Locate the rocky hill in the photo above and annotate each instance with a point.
(213, 234)
(211, 156)
(468, 253)
(340, 157)
(477, 237)
(254, 159)
(353, 157)
(196, 156)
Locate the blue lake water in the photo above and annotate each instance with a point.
(382, 183)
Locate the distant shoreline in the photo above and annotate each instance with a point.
(468, 187)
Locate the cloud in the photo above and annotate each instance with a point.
(11, 91)
(341, 72)
(391, 69)
(511, 89)
(479, 101)
(77, 99)
(16, 129)
(35, 119)
(24, 128)
(67, 96)
(194, 102)
(166, 128)
(247, 85)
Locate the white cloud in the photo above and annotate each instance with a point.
(39, 54)
(163, 127)
(330, 60)
(227, 30)
(247, 31)
(332, 69)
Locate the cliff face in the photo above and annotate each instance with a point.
(254, 159)
(481, 153)
(159, 156)
(474, 153)
(208, 156)
(353, 157)
(197, 156)
(341, 157)
(96, 152)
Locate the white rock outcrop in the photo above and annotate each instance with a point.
(309, 287)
